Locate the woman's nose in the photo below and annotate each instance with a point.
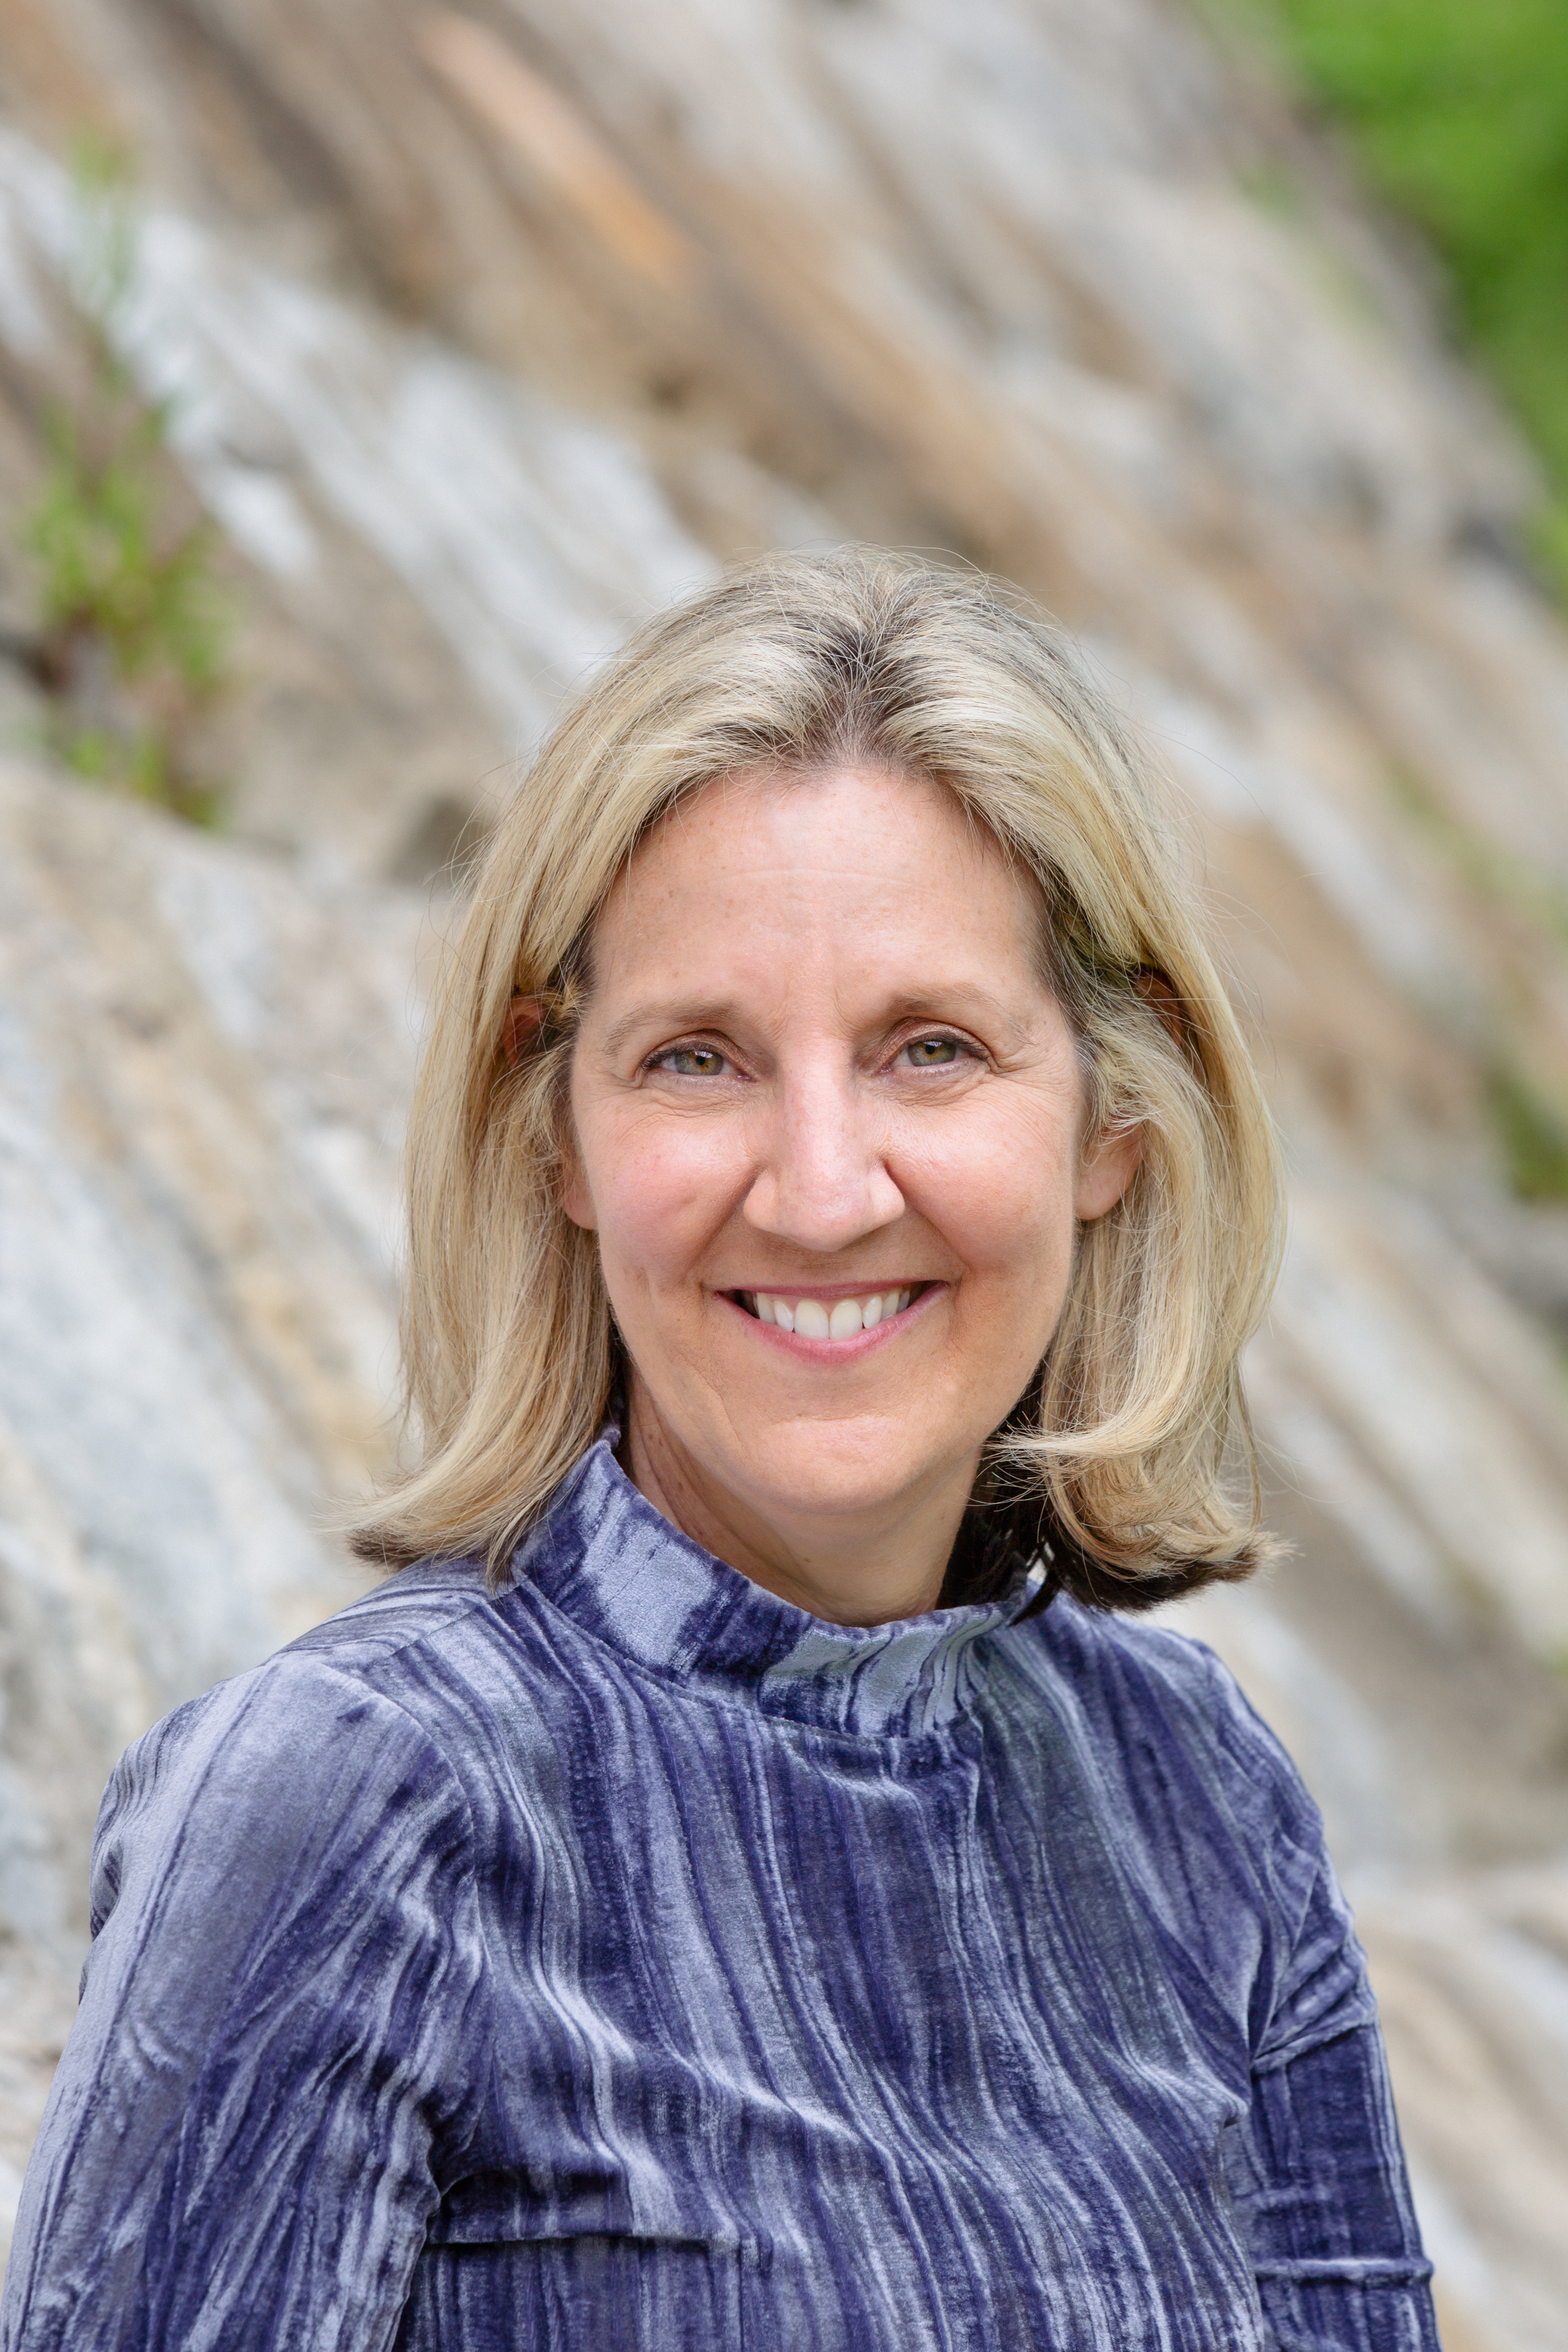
(823, 1182)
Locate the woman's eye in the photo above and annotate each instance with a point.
(933, 1053)
(692, 1061)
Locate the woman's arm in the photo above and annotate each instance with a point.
(1317, 2172)
(269, 2054)
(1335, 2248)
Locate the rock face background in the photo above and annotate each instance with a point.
(485, 333)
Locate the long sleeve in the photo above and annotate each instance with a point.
(242, 2144)
(1317, 2173)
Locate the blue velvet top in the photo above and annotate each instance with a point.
(630, 1963)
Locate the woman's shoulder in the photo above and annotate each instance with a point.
(1209, 1818)
(1166, 1718)
(420, 1608)
(1148, 1658)
(350, 1715)
(374, 1650)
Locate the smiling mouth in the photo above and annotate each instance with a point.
(821, 1319)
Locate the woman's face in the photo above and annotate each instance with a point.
(827, 1129)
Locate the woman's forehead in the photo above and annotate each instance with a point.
(873, 889)
(841, 826)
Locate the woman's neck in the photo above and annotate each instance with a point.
(856, 1568)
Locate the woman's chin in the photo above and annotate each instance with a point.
(785, 1480)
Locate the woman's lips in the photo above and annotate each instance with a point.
(841, 1318)
(832, 1320)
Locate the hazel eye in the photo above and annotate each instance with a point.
(690, 1061)
(933, 1053)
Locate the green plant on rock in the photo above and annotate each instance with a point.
(1458, 111)
(131, 628)
(1534, 1138)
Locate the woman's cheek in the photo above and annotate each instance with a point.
(668, 1185)
(997, 1188)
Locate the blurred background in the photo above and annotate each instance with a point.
(367, 368)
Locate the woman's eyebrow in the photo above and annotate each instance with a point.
(670, 1015)
(960, 1000)
(922, 1003)
(965, 1002)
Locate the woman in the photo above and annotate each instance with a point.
(749, 1879)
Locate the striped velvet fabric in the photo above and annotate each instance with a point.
(630, 1963)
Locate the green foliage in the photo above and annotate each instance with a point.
(1535, 1138)
(1459, 111)
(96, 531)
(131, 629)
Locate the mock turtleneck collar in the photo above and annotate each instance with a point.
(616, 1567)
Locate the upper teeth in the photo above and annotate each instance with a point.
(814, 1320)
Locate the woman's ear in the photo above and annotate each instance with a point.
(576, 1198)
(1162, 998)
(1112, 1162)
(1107, 1169)
(525, 1018)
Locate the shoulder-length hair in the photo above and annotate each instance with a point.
(1116, 1456)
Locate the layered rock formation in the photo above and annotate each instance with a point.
(484, 332)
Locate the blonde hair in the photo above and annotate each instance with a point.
(1120, 1446)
